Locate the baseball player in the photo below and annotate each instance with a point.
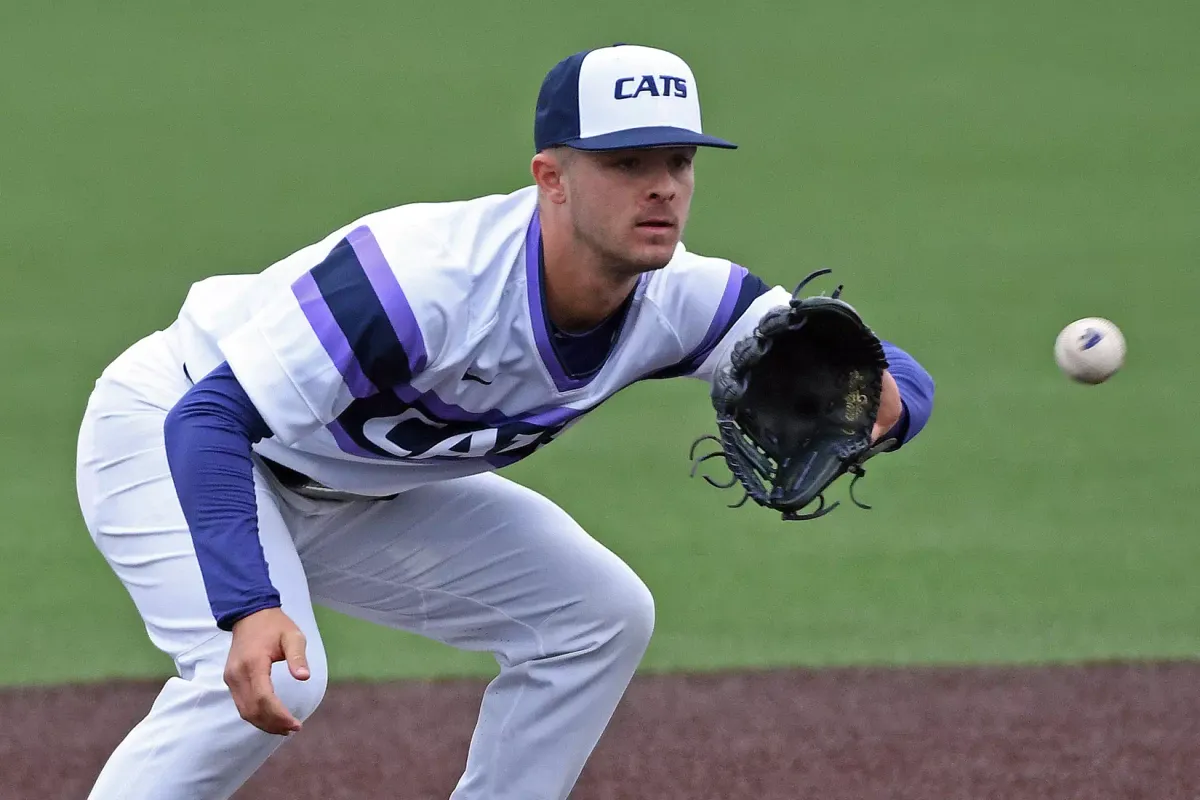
(327, 432)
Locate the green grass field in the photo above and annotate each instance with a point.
(979, 174)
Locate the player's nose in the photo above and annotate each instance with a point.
(663, 187)
(662, 184)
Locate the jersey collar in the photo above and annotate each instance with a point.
(539, 318)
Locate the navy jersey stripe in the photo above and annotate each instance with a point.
(316, 310)
(387, 289)
(359, 290)
(752, 288)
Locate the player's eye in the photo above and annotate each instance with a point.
(628, 163)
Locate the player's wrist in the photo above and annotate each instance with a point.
(227, 622)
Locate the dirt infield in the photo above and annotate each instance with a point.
(1096, 731)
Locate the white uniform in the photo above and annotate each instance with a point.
(407, 353)
(460, 285)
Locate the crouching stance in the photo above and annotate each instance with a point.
(328, 431)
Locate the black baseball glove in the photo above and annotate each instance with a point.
(796, 404)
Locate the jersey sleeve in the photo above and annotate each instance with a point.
(345, 328)
(742, 324)
(710, 304)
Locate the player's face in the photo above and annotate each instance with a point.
(630, 206)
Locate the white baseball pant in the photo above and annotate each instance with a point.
(479, 563)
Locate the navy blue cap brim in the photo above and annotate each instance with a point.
(637, 138)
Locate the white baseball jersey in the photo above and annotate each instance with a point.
(413, 345)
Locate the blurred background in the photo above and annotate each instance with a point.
(978, 174)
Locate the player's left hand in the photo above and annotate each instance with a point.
(890, 408)
(802, 400)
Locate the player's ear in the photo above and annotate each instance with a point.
(548, 168)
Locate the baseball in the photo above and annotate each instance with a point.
(1090, 350)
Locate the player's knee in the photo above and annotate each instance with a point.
(301, 697)
(625, 612)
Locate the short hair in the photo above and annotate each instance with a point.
(565, 155)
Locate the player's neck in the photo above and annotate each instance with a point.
(580, 292)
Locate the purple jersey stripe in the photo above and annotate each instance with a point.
(723, 317)
(552, 416)
(320, 318)
(348, 445)
(390, 295)
(544, 417)
(537, 314)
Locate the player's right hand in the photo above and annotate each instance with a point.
(259, 640)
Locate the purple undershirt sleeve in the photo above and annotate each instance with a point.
(916, 393)
(208, 437)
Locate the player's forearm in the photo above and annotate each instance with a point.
(208, 436)
(916, 392)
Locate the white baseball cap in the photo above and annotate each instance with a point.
(624, 96)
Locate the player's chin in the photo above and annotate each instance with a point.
(648, 261)
(655, 250)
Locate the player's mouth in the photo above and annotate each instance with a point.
(661, 224)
